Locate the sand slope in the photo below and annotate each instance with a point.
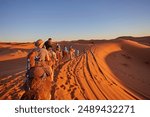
(12, 69)
(109, 70)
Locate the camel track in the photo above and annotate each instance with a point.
(74, 72)
(84, 78)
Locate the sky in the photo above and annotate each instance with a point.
(29, 20)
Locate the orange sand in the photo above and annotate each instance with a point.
(115, 69)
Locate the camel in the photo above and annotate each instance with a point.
(39, 74)
(59, 56)
(65, 56)
(53, 59)
(71, 53)
(39, 85)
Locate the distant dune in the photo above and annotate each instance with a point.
(106, 69)
(143, 40)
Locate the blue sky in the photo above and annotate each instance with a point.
(28, 20)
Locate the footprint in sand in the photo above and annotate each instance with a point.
(76, 98)
(69, 90)
(109, 83)
(126, 56)
(69, 78)
(125, 64)
(76, 84)
(73, 93)
(71, 86)
(63, 86)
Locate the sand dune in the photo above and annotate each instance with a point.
(115, 69)
(9, 51)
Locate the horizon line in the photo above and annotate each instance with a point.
(55, 40)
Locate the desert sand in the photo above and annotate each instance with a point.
(116, 69)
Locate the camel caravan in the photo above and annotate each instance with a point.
(41, 64)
